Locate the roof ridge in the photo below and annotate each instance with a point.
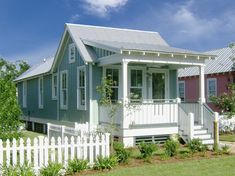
(113, 28)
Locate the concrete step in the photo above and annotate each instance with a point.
(198, 127)
(200, 131)
(208, 141)
(202, 136)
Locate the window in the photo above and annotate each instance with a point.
(72, 53)
(24, 94)
(81, 88)
(181, 85)
(114, 75)
(211, 87)
(54, 86)
(136, 85)
(40, 92)
(64, 89)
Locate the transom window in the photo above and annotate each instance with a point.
(64, 90)
(136, 86)
(72, 53)
(81, 88)
(54, 86)
(113, 73)
(40, 92)
(211, 87)
(182, 90)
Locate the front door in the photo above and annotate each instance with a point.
(158, 86)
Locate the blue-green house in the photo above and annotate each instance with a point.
(62, 89)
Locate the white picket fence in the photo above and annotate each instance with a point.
(40, 152)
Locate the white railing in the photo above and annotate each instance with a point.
(186, 123)
(208, 120)
(40, 151)
(155, 112)
(104, 115)
(195, 108)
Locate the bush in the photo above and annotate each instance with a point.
(105, 163)
(171, 147)
(122, 154)
(77, 165)
(147, 150)
(53, 169)
(196, 145)
(225, 149)
(25, 170)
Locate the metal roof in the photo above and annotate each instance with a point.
(39, 69)
(222, 63)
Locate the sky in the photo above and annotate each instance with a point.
(31, 29)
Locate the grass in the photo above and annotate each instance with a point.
(223, 165)
(30, 134)
(227, 137)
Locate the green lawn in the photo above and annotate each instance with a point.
(30, 134)
(227, 137)
(220, 166)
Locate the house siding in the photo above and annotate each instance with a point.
(173, 84)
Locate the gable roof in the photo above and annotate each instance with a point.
(222, 63)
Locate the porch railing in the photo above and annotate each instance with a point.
(208, 119)
(194, 108)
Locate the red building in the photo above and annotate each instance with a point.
(218, 74)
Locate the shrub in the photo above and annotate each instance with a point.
(105, 163)
(196, 145)
(225, 149)
(147, 150)
(53, 169)
(171, 147)
(77, 165)
(122, 154)
(25, 170)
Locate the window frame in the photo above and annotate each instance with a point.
(136, 87)
(62, 106)
(72, 46)
(80, 106)
(181, 82)
(207, 85)
(40, 93)
(24, 94)
(54, 97)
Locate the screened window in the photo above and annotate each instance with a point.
(114, 75)
(182, 90)
(211, 87)
(136, 86)
(72, 53)
(54, 86)
(81, 89)
(24, 94)
(64, 90)
(40, 92)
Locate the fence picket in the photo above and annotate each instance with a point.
(91, 147)
(53, 149)
(1, 153)
(72, 148)
(84, 143)
(8, 154)
(97, 145)
(21, 146)
(28, 150)
(46, 144)
(102, 145)
(14, 152)
(78, 145)
(35, 152)
(59, 150)
(66, 153)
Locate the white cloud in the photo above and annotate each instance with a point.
(74, 18)
(103, 7)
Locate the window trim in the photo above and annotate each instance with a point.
(53, 86)
(181, 82)
(40, 101)
(64, 107)
(79, 106)
(72, 45)
(24, 98)
(207, 85)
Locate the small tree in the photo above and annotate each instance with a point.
(106, 92)
(226, 102)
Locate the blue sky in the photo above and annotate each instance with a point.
(31, 29)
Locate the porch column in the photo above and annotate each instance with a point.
(125, 93)
(202, 98)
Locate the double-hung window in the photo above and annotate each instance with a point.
(181, 85)
(113, 74)
(54, 86)
(211, 87)
(24, 94)
(136, 84)
(81, 88)
(40, 92)
(64, 89)
(72, 53)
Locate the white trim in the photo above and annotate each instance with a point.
(54, 97)
(24, 98)
(181, 82)
(61, 96)
(79, 106)
(207, 85)
(72, 46)
(40, 94)
(90, 95)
